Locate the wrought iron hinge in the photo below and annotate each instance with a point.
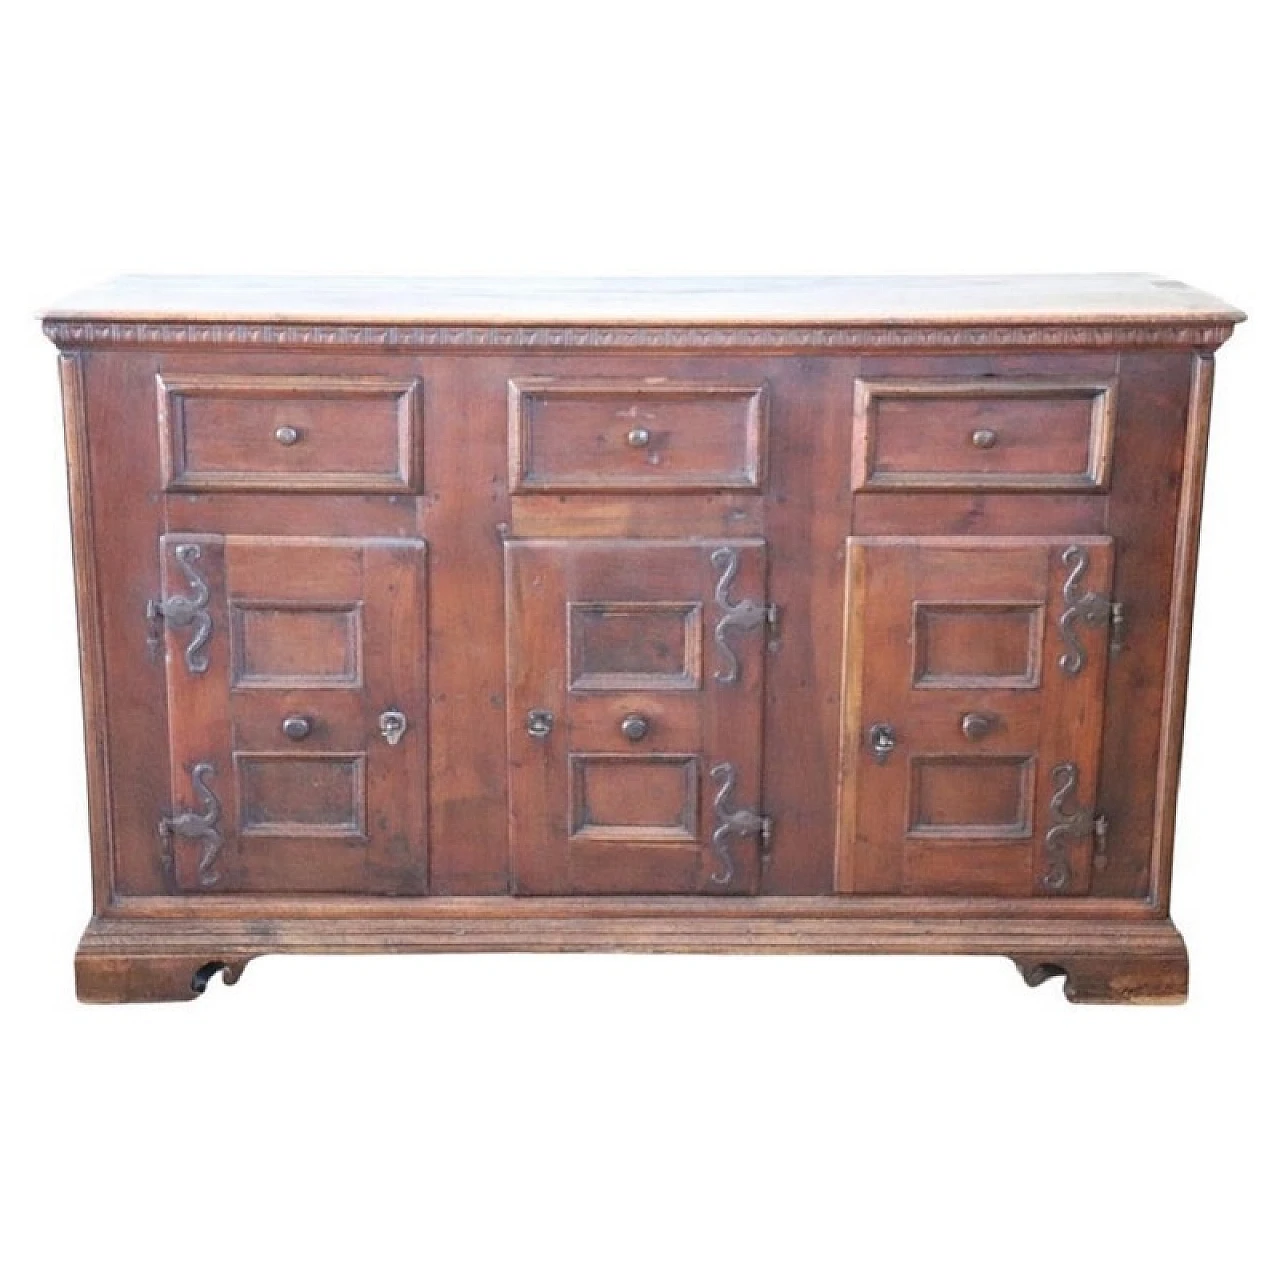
(183, 612)
(1085, 608)
(1071, 823)
(1101, 829)
(191, 824)
(766, 841)
(731, 822)
(1119, 623)
(745, 615)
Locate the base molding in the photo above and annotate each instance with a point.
(1112, 958)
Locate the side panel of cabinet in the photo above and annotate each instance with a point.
(973, 714)
(298, 717)
(635, 704)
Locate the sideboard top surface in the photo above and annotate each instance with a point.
(783, 300)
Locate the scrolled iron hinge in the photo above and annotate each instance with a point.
(1088, 608)
(1119, 625)
(190, 825)
(746, 615)
(1071, 823)
(182, 611)
(732, 823)
(1101, 832)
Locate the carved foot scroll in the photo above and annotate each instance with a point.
(1140, 978)
(125, 979)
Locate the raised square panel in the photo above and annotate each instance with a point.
(651, 435)
(971, 797)
(977, 646)
(984, 433)
(287, 646)
(641, 799)
(320, 433)
(310, 795)
(641, 645)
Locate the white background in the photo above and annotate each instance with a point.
(642, 1116)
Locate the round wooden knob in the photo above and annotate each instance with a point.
(634, 727)
(296, 727)
(976, 725)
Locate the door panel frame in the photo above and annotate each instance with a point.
(550, 582)
(1064, 724)
(220, 722)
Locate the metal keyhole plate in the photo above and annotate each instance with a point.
(392, 724)
(882, 739)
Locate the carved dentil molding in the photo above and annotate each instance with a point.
(125, 333)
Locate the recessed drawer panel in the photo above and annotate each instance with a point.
(317, 433)
(984, 433)
(647, 435)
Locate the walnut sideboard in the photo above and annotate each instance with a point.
(828, 615)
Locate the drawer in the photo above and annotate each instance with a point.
(309, 432)
(650, 435)
(1002, 433)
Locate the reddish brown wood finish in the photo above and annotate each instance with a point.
(616, 642)
(311, 641)
(310, 433)
(986, 434)
(833, 451)
(654, 435)
(958, 647)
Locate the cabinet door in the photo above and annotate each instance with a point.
(973, 710)
(635, 695)
(296, 672)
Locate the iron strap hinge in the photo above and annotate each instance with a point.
(742, 615)
(1101, 830)
(1084, 608)
(187, 613)
(734, 824)
(766, 840)
(1071, 823)
(771, 618)
(1119, 622)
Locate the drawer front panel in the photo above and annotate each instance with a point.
(974, 678)
(312, 433)
(583, 435)
(1003, 433)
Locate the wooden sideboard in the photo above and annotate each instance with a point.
(834, 615)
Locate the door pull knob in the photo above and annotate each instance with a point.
(977, 724)
(296, 728)
(634, 727)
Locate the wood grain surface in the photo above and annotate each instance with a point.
(699, 523)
